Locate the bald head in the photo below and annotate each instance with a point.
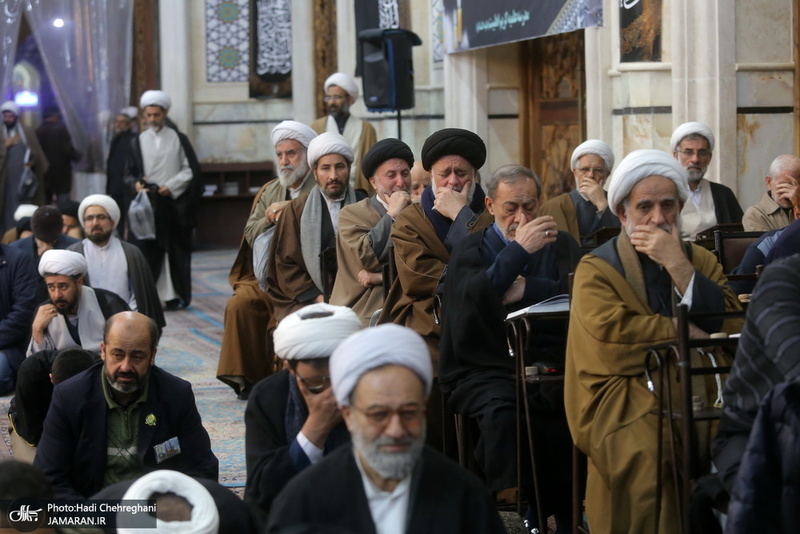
(783, 178)
(420, 179)
(132, 322)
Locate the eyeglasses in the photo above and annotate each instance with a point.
(689, 153)
(328, 98)
(99, 217)
(592, 170)
(315, 384)
(380, 416)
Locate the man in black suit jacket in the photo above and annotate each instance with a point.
(122, 417)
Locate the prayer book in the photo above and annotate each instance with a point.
(557, 304)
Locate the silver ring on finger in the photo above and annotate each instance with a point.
(547, 233)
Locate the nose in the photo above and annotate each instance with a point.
(125, 365)
(657, 216)
(394, 428)
(283, 159)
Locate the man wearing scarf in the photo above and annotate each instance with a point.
(301, 265)
(584, 210)
(291, 419)
(622, 303)
(424, 234)
(363, 245)
(19, 148)
(246, 353)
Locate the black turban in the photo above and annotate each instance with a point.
(69, 207)
(453, 142)
(384, 150)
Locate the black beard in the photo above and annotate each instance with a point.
(99, 239)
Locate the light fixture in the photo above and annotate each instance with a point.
(58, 23)
(26, 99)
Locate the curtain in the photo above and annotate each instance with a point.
(10, 16)
(86, 46)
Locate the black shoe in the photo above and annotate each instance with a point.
(172, 305)
(244, 393)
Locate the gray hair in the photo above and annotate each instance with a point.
(509, 174)
(784, 163)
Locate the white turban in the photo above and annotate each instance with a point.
(24, 210)
(596, 147)
(293, 130)
(10, 105)
(387, 344)
(155, 98)
(105, 202)
(205, 516)
(131, 111)
(640, 164)
(314, 331)
(65, 262)
(328, 143)
(688, 128)
(340, 79)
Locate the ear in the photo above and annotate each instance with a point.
(103, 350)
(621, 215)
(351, 100)
(372, 181)
(79, 282)
(489, 204)
(153, 357)
(347, 414)
(51, 377)
(768, 180)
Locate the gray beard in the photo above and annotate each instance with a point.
(394, 465)
(695, 176)
(287, 179)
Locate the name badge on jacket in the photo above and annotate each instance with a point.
(168, 449)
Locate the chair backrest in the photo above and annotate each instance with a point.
(731, 247)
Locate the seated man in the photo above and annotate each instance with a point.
(122, 418)
(420, 180)
(519, 260)
(76, 314)
(424, 235)
(710, 203)
(363, 245)
(622, 302)
(291, 419)
(69, 217)
(301, 264)
(115, 265)
(584, 210)
(246, 354)
(774, 210)
(389, 481)
(17, 301)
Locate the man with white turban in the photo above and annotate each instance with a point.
(341, 92)
(301, 262)
(75, 315)
(246, 354)
(389, 480)
(584, 210)
(163, 163)
(622, 303)
(19, 149)
(711, 203)
(292, 420)
(115, 265)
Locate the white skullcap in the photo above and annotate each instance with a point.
(155, 98)
(65, 262)
(205, 516)
(328, 143)
(293, 130)
(305, 334)
(596, 147)
(640, 164)
(688, 128)
(24, 210)
(387, 344)
(10, 105)
(340, 79)
(131, 111)
(105, 202)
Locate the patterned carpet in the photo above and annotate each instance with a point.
(189, 348)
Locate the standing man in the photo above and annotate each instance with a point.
(774, 210)
(363, 246)
(622, 303)
(57, 146)
(389, 481)
(710, 203)
(15, 156)
(116, 265)
(246, 354)
(341, 92)
(301, 265)
(161, 162)
(118, 153)
(584, 210)
(17, 302)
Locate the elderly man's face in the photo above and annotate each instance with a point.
(514, 204)
(127, 354)
(65, 292)
(453, 172)
(333, 174)
(9, 118)
(653, 200)
(338, 101)
(420, 179)
(695, 155)
(391, 176)
(292, 164)
(786, 178)
(155, 117)
(98, 225)
(387, 420)
(590, 167)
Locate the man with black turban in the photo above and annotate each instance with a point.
(362, 248)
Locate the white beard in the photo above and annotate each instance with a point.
(286, 179)
(395, 465)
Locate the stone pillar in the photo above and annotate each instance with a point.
(466, 92)
(303, 84)
(597, 64)
(176, 59)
